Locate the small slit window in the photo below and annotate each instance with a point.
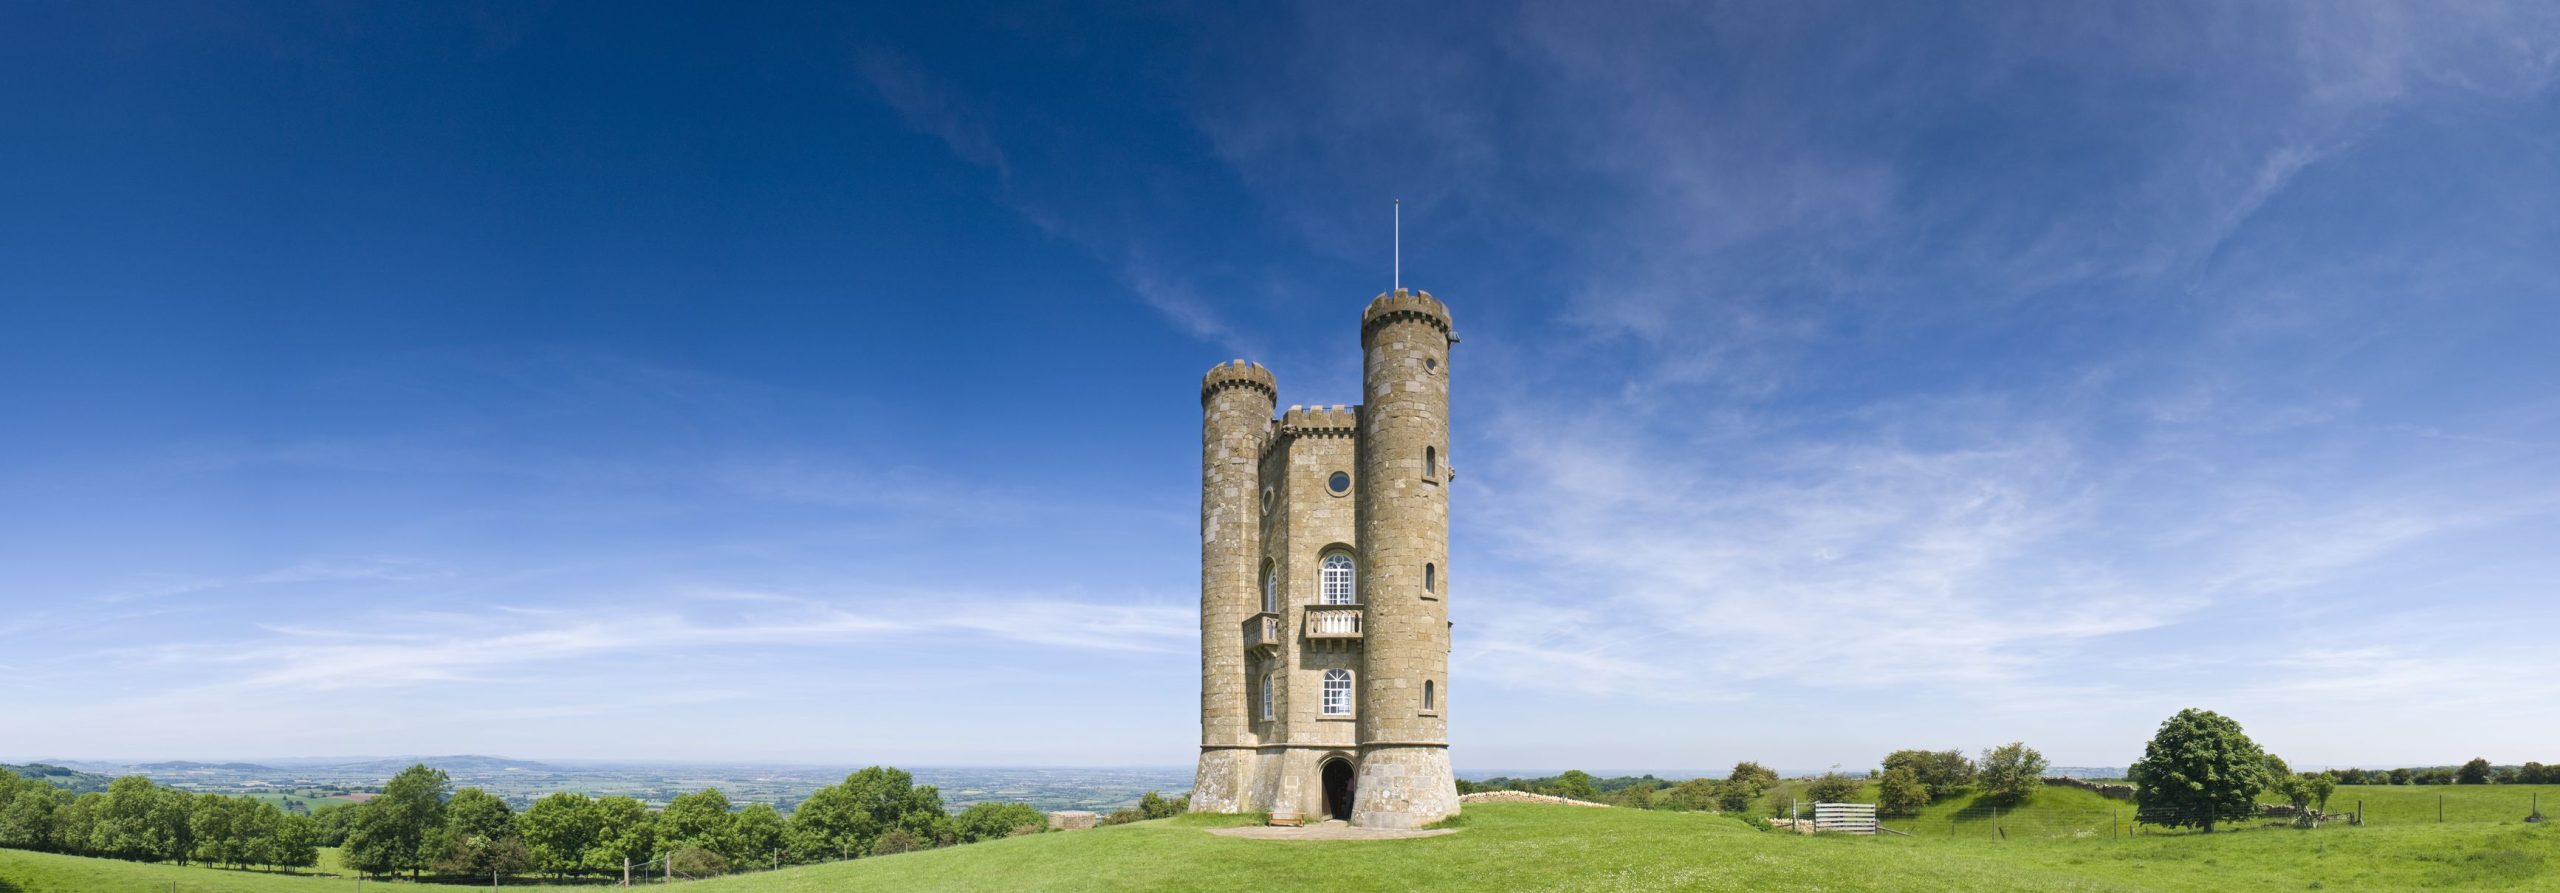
(1430, 578)
(1427, 702)
(1431, 462)
(1337, 582)
(1337, 692)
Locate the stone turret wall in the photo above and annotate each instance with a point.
(1236, 401)
(1405, 779)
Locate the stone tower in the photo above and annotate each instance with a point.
(1324, 621)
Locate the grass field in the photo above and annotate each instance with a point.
(1509, 847)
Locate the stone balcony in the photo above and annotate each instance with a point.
(1262, 633)
(1333, 621)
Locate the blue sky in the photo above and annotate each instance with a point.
(820, 384)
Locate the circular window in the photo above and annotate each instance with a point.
(1266, 500)
(1430, 364)
(1339, 483)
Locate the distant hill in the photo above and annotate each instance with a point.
(72, 780)
(192, 766)
(460, 764)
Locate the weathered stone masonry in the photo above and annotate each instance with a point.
(1271, 514)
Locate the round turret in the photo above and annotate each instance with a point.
(1239, 374)
(1236, 400)
(1405, 779)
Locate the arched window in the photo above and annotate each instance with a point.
(1335, 584)
(1426, 699)
(1266, 696)
(1430, 578)
(1431, 462)
(1337, 692)
(1270, 589)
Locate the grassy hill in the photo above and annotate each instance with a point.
(1514, 847)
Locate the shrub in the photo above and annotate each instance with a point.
(1696, 794)
(2474, 772)
(1735, 794)
(896, 841)
(1945, 773)
(1901, 792)
(694, 861)
(2012, 772)
(1122, 817)
(1833, 787)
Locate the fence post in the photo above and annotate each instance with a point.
(2439, 809)
(2113, 818)
(626, 871)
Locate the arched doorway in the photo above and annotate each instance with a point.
(1337, 788)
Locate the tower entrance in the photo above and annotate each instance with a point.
(1337, 788)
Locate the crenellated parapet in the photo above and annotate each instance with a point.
(1407, 303)
(1239, 374)
(1320, 421)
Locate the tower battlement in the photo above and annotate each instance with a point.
(1406, 303)
(1238, 374)
(1320, 421)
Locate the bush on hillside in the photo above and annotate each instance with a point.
(1944, 773)
(1122, 817)
(1157, 807)
(2012, 772)
(1833, 787)
(1900, 792)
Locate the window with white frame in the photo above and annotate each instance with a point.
(1336, 582)
(1270, 589)
(1266, 695)
(1337, 692)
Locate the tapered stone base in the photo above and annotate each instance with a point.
(1404, 786)
(1224, 782)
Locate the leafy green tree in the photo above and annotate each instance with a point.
(2199, 767)
(2400, 776)
(27, 818)
(1833, 787)
(1576, 784)
(988, 821)
(296, 841)
(75, 823)
(2012, 772)
(143, 821)
(558, 830)
(333, 822)
(625, 830)
(1762, 776)
(2474, 772)
(2534, 773)
(1735, 794)
(1901, 792)
(757, 835)
(1944, 773)
(844, 821)
(1692, 795)
(394, 831)
(2318, 786)
(699, 819)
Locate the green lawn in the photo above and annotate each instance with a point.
(1518, 847)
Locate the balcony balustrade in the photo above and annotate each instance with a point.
(1333, 621)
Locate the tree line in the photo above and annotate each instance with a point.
(1910, 779)
(136, 819)
(420, 824)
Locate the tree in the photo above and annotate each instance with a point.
(297, 841)
(1833, 787)
(1696, 794)
(2474, 772)
(1157, 807)
(2536, 773)
(1945, 773)
(844, 821)
(479, 838)
(1736, 794)
(988, 821)
(392, 832)
(1901, 792)
(1760, 775)
(1575, 784)
(699, 819)
(2199, 767)
(2400, 776)
(2012, 772)
(757, 835)
(2319, 785)
(624, 831)
(558, 830)
(27, 817)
